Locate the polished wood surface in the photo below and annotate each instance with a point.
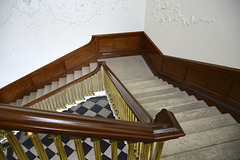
(101, 46)
(165, 126)
(219, 86)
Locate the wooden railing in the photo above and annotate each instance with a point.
(134, 125)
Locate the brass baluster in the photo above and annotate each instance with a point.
(87, 87)
(130, 151)
(63, 98)
(158, 150)
(114, 150)
(101, 81)
(77, 92)
(97, 149)
(72, 94)
(38, 145)
(15, 145)
(146, 151)
(2, 155)
(98, 88)
(84, 88)
(91, 86)
(50, 104)
(53, 103)
(79, 148)
(59, 146)
(46, 105)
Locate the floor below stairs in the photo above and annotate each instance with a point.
(97, 107)
(209, 133)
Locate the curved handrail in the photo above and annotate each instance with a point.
(142, 115)
(65, 86)
(41, 121)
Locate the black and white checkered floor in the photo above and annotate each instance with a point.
(97, 106)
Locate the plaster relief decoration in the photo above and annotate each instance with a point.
(167, 11)
(68, 11)
(4, 54)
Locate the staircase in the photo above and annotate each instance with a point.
(209, 134)
(55, 85)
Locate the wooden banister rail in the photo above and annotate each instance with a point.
(142, 115)
(65, 86)
(40, 121)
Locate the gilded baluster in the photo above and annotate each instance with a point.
(114, 150)
(146, 151)
(77, 92)
(46, 105)
(130, 151)
(82, 90)
(79, 148)
(50, 104)
(97, 149)
(2, 155)
(158, 150)
(56, 101)
(91, 86)
(87, 87)
(101, 80)
(53, 103)
(63, 98)
(72, 91)
(98, 88)
(59, 146)
(38, 145)
(15, 145)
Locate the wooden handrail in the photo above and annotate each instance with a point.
(65, 86)
(41, 121)
(142, 115)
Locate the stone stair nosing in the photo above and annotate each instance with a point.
(138, 80)
(39, 93)
(24, 100)
(47, 89)
(180, 94)
(85, 70)
(32, 96)
(70, 78)
(156, 92)
(202, 139)
(93, 66)
(77, 74)
(223, 151)
(55, 85)
(62, 82)
(147, 83)
(18, 102)
(140, 90)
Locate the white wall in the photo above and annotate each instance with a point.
(35, 33)
(216, 42)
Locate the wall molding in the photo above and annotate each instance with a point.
(217, 85)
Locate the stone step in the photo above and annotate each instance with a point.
(157, 92)
(13, 103)
(32, 96)
(163, 97)
(69, 78)
(149, 89)
(62, 82)
(168, 102)
(18, 102)
(47, 89)
(138, 80)
(223, 151)
(55, 85)
(39, 93)
(201, 140)
(24, 100)
(85, 70)
(182, 107)
(203, 124)
(197, 114)
(77, 74)
(146, 83)
(93, 66)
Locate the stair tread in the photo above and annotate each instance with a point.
(156, 92)
(223, 151)
(13, 103)
(181, 107)
(163, 97)
(32, 96)
(146, 83)
(197, 114)
(93, 66)
(138, 80)
(140, 90)
(85, 70)
(77, 74)
(203, 124)
(169, 102)
(55, 85)
(18, 102)
(39, 93)
(70, 78)
(24, 100)
(62, 82)
(202, 139)
(47, 89)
